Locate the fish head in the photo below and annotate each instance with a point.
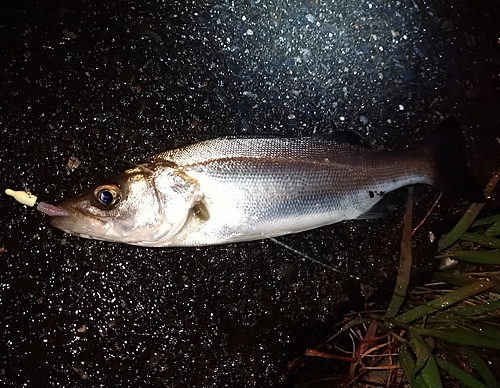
(142, 206)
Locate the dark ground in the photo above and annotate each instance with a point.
(131, 79)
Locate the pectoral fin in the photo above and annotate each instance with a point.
(200, 211)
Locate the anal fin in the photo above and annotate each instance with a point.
(380, 209)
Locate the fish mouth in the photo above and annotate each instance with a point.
(81, 224)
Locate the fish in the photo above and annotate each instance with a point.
(235, 189)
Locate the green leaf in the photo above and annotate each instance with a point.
(480, 309)
(459, 374)
(464, 312)
(461, 336)
(493, 230)
(481, 368)
(447, 300)
(426, 364)
(462, 225)
(485, 329)
(485, 241)
(469, 216)
(458, 279)
(478, 257)
(486, 221)
(408, 365)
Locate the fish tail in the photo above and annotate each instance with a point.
(450, 171)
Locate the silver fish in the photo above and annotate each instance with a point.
(239, 189)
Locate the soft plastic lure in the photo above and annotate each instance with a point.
(28, 199)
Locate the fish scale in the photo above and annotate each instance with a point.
(273, 197)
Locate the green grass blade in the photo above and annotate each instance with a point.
(462, 225)
(452, 278)
(462, 312)
(481, 368)
(408, 366)
(403, 279)
(485, 329)
(426, 364)
(470, 215)
(447, 300)
(478, 257)
(458, 279)
(461, 336)
(480, 309)
(430, 373)
(485, 241)
(486, 221)
(422, 350)
(459, 374)
(493, 230)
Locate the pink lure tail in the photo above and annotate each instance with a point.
(51, 210)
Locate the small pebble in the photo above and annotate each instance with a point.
(82, 329)
(310, 18)
(73, 164)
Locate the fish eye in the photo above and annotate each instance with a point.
(107, 196)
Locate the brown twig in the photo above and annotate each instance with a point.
(427, 215)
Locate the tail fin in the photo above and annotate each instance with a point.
(450, 170)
